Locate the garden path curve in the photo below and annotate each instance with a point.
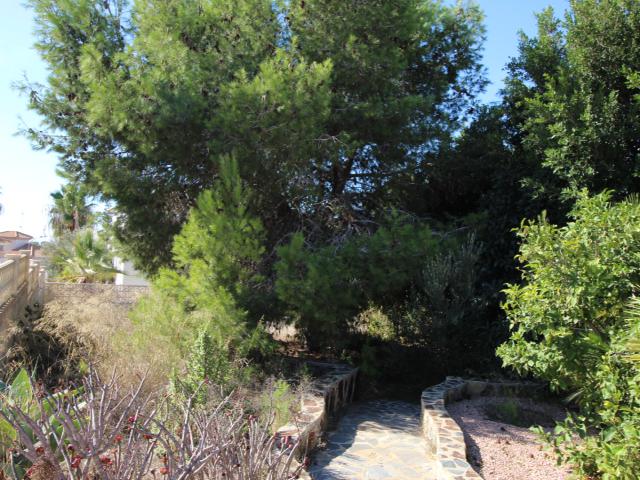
(375, 440)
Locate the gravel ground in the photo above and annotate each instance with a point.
(499, 451)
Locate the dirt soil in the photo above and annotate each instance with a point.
(502, 451)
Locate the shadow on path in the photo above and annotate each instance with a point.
(375, 440)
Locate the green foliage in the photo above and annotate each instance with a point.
(206, 364)
(196, 312)
(570, 327)
(217, 253)
(577, 280)
(375, 323)
(81, 256)
(328, 286)
(604, 442)
(70, 211)
(280, 401)
(322, 102)
(577, 108)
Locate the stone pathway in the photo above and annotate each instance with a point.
(375, 440)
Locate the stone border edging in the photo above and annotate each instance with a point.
(326, 395)
(443, 434)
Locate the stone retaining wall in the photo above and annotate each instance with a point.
(119, 294)
(327, 394)
(443, 435)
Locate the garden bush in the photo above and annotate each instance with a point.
(328, 286)
(570, 324)
(402, 294)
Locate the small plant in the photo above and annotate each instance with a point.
(508, 411)
(207, 363)
(281, 400)
(22, 395)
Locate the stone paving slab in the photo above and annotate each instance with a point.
(376, 440)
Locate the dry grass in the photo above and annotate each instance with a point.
(105, 330)
(73, 332)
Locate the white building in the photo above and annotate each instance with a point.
(128, 275)
(11, 241)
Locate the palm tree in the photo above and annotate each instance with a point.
(82, 256)
(70, 211)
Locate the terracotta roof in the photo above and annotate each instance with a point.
(12, 235)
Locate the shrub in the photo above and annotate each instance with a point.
(570, 326)
(327, 287)
(577, 282)
(208, 363)
(107, 432)
(278, 397)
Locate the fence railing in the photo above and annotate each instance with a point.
(19, 276)
(21, 283)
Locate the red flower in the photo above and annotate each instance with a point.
(75, 461)
(148, 436)
(40, 450)
(164, 471)
(117, 438)
(132, 419)
(105, 460)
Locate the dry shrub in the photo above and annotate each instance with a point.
(74, 331)
(105, 431)
(54, 353)
(102, 322)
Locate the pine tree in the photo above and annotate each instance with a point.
(322, 102)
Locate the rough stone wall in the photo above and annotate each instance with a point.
(121, 294)
(327, 395)
(442, 433)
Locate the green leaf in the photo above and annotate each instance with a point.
(21, 390)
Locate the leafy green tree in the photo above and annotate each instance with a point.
(218, 252)
(571, 320)
(205, 302)
(321, 101)
(403, 74)
(577, 281)
(326, 287)
(573, 102)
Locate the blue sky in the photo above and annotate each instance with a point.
(27, 177)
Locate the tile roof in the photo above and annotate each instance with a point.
(12, 235)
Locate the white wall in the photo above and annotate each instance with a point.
(129, 275)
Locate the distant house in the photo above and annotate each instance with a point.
(12, 240)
